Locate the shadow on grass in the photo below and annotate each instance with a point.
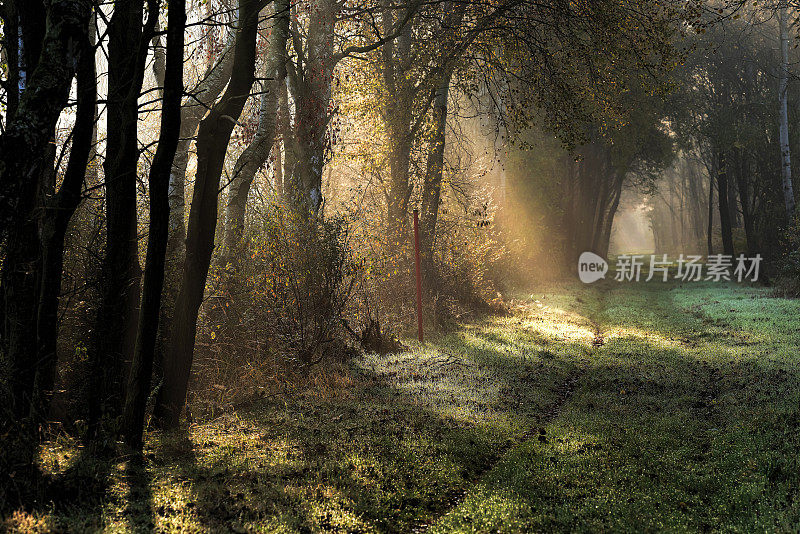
(658, 437)
(381, 456)
(78, 492)
(138, 510)
(645, 439)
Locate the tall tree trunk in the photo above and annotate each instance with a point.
(400, 188)
(724, 210)
(570, 200)
(710, 225)
(58, 210)
(400, 91)
(257, 152)
(783, 83)
(212, 143)
(142, 364)
(24, 160)
(671, 205)
(20, 282)
(697, 204)
(575, 207)
(432, 186)
(603, 198)
(402, 114)
(684, 188)
(32, 28)
(744, 199)
(22, 264)
(283, 162)
(608, 224)
(733, 202)
(312, 96)
(115, 333)
(194, 109)
(277, 155)
(591, 167)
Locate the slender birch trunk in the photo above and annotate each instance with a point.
(783, 83)
(311, 92)
(257, 152)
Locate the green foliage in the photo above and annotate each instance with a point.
(576, 71)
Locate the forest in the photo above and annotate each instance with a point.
(399, 266)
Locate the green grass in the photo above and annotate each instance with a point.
(684, 419)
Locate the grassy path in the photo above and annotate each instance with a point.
(616, 408)
(562, 395)
(685, 420)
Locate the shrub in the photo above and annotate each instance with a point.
(275, 308)
(788, 279)
(306, 279)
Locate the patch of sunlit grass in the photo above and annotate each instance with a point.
(750, 309)
(656, 339)
(558, 325)
(487, 509)
(32, 523)
(677, 425)
(58, 455)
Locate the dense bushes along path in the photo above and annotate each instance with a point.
(616, 407)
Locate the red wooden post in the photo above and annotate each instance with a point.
(419, 275)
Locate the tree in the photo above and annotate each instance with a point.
(58, 208)
(724, 109)
(310, 76)
(199, 100)
(258, 151)
(212, 143)
(31, 274)
(598, 87)
(783, 78)
(432, 186)
(724, 209)
(115, 333)
(25, 162)
(310, 73)
(160, 172)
